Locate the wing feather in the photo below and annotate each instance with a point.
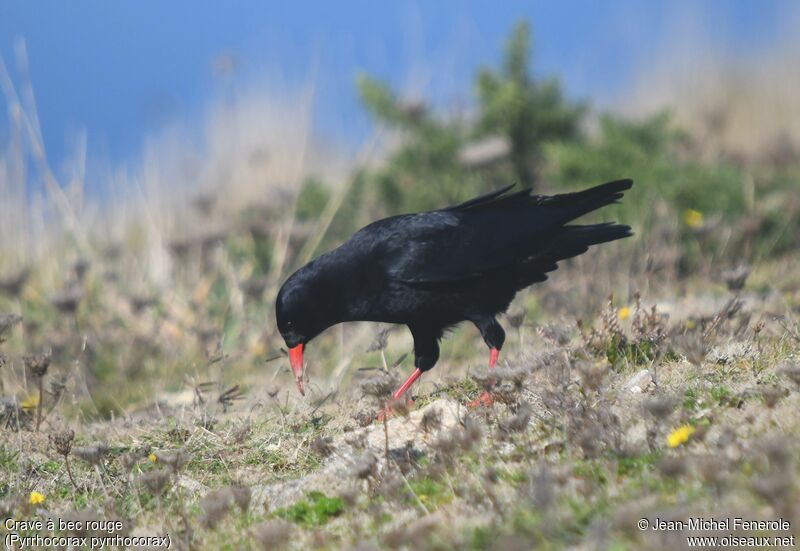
(493, 232)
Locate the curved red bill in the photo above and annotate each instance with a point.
(296, 359)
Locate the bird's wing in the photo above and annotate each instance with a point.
(492, 232)
(482, 199)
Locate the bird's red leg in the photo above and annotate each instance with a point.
(399, 392)
(493, 354)
(485, 398)
(405, 386)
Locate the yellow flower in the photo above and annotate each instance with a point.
(624, 313)
(36, 498)
(679, 436)
(152, 457)
(693, 218)
(30, 402)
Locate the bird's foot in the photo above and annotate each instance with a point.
(396, 407)
(484, 400)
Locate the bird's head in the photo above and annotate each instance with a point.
(300, 319)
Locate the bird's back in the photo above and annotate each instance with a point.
(495, 232)
(475, 255)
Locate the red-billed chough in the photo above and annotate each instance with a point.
(432, 270)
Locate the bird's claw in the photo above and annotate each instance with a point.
(484, 400)
(387, 412)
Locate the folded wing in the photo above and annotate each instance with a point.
(498, 231)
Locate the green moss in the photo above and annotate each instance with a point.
(433, 493)
(316, 510)
(629, 466)
(49, 467)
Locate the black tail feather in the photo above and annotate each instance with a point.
(574, 204)
(575, 240)
(582, 202)
(571, 242)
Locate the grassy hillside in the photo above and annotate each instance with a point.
(142, 376)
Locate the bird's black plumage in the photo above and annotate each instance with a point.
(431, 270)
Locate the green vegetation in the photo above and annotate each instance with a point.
(315, 510)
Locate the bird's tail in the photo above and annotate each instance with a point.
(570, 242)
(575, 240)
(579, 203)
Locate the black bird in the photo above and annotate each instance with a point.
(432, 270)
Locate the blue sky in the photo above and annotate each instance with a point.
(122, 69)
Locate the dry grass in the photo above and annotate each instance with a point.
(744, 107)
(206, 442)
